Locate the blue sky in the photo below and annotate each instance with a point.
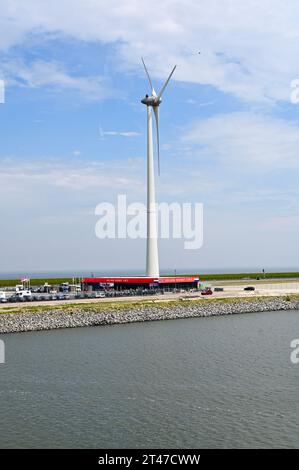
(73, 130)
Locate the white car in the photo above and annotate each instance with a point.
(3, 297)
(100, 295)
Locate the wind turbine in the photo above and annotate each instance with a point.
(152, 101)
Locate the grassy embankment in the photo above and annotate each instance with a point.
(104, 306)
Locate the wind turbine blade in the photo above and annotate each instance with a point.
(166, 83)
(101, 132)
(149, 78)
(156, 112)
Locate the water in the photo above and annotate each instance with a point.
(209, 382)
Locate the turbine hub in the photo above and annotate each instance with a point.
(151, 100)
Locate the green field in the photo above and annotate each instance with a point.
(240, 276)
(203, 277)
(35, 282)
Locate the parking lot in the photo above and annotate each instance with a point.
(41, 295)
(54, 296)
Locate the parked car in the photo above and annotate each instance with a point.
(3, 297)
(249, 288)
(79, 296)
(207, 291)
(100, 294)
(14, 298)
(218, 289)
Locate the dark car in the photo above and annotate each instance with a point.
(15, 298)
(218, 289)
(249, 288)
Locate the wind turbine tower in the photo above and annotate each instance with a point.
(152, 102)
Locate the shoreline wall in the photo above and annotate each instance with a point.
(76, 317)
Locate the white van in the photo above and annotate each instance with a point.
(24, 294)
(3, 297)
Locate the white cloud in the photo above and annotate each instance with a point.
(77, 176)
(198, 103)
(51, 75)
(119, 133)
(250, 141)
(50, 202)
(247, 48)
(285, 223)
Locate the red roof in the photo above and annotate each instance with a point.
(138, 280)
(169, 280)
(120, 280)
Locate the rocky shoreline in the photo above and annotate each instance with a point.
(72, 317)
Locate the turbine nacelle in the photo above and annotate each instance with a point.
(152, 100)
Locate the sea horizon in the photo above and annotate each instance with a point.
(15, 274)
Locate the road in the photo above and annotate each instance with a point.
(265, 289)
